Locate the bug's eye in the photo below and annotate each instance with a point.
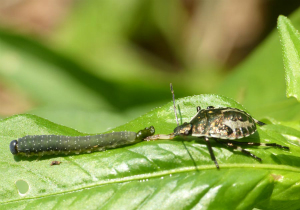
(184, 129)
(210, 107)
(198, 108)
(186, 132)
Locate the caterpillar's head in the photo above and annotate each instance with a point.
(13, 147)
(142, 134)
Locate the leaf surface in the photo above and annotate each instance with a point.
(259, 81)
(153, 174)
(290, 42)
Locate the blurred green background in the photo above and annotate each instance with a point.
(94, 65)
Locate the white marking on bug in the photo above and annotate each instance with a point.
(239, 148)
(235, 124)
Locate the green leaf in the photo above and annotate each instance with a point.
(50, 78)
(153, 175)
(46, 76)
(259, 81)
(290, 41)
(85, 120)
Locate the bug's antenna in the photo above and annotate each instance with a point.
(172, 91)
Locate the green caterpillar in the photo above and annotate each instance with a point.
(56, 144)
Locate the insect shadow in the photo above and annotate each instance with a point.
(255, 138)
(38, 158)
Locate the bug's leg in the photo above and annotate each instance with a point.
(231, 145)
(211, 152)
(159, 137)
(258, 144)
(259, 123)
(272, 145)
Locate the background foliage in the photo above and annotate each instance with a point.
(93, 77)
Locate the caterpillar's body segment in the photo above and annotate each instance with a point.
(56, 144)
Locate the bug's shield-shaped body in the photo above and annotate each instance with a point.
(221, 123)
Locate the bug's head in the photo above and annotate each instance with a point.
(13, 147)
(183, 130)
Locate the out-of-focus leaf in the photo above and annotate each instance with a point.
(49, 77)
(157, 174)
(290, 42)
(111, 37)
(46, 76)
(136, 44)
(258, 82)
(85, 120)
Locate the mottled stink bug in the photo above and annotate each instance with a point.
(223, 125)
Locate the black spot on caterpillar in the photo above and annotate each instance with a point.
(56, 144)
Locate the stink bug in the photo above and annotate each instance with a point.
(223, 125)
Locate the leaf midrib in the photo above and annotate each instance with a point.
(165, 173)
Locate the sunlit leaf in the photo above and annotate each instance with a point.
(259, 81)
(290, 41)
(157, 174)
